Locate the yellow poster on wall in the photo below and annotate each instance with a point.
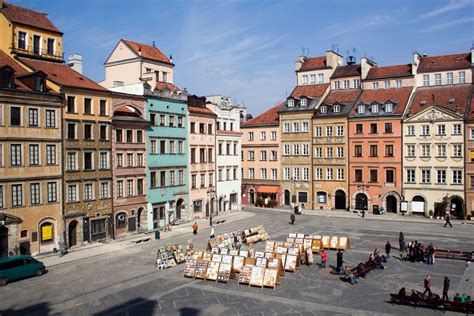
(46, 232)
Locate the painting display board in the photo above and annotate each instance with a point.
(307, 243)
(216, 257)
(316, 245)
(225, 272)
(261, 262)
(269, 245)
(275, 263)
(201, 269)
(238, 263)
(291, 263)
(206, 256)
(212, 270)
(190, 268)
(271, 278)
(259, 254)
(343, 243)
(254, 235)
(245, 275)
(256, 277)
(325, 241)
(309, 256)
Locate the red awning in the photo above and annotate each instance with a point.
(268, 189)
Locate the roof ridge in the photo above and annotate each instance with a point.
(25, 8)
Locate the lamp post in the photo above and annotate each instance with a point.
(210, 194)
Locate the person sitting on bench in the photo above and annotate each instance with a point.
(360, 270)
(414, 295)
(457, 298)
(402, 292)
(404, 255)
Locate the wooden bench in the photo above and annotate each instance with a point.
(454, 254)
(438, 304)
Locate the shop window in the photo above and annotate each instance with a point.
(303, 197)
(46, 232)
(321, 197)
(121, 220)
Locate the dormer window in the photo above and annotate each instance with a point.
(6, 78)
(303, 102)
(375, 85)
(336, 108)
(291, 103)
(423, 102)
(389, 107)
(451, 101)
(375, 108)
(39, 84)
(323, 109)
(361, 109)
(337, 85)
(22, 40)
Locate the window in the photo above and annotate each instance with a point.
(104, 190)
(88, 191)
(120, 188)
(34, 155)
(375, 85)
(296, 173)
(35, 194)
(171, 121)
(358, 175)
(164, 77)
(337, 85)
(172, 178)
(312, 79)
(441, 176)
(251, 155)
(388, 128)
(263, 174)
(356, 83)
(87, 106)
(319, 173)
(180, 177)
(154, 149)
(329, 131)
(457, 150)
(296, 149)
(211, 179)
(15, 116)
(425, 176)
(389, 150)
(441, 129)
(129, 136)
(318, 152)
(303, 102)
(340, 130)
(340, 152)
(305, 174)
(202, 155)
(425, 150)
(426, 80)
(17, 195)
(202, 128)
(50, 154)
(449, 76)
(373, 151)
(438, 79)
(318, 131)
(286, 127)
(103, 107)
(457, 129)
(340, 173)
(291, 103)
(305, 149)
(410, 130)
(373, 176)
(329, 152)
(129, 187)
(320, 78)
(389, 176)
(263, 155)
(286, 173)
(361, 109)
(358, 150)
(321, 197)
(425, 130)
(389, 107)
(180, 122)
(172, 147)
(50, 118)
(411, 176)
(88, 163)
(375, 108)
(329, 174)
(274, 174)
(52, 192)
(305, 126)
(251, 136)
(457, 176)
(336, 108)
(15, 152)
(273, 135)
(71, 161)
(36, 44)
(296, 127)
(462, 77)
(251, 173)
(210, 155)
(181, 149)
(346, 84)
(193, 155)
(33, 117)
(22, 40)
(87, 131)
(305, 79)
(162, 147)
(140, 185)
(373, 128)
(72, 193)
(103, 132)
(359, 129)
(387, 84)
(71, 104)
(286, 149)
(153, 181)
(399, 83)
(163, 122)
(410, 150)
(104, 161)
(209, 129)
(323, 109)
(441, 150)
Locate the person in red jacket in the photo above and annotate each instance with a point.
(324, 257)
(195, 228)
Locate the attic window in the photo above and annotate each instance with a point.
(336, 108)
(303, 102)
(361, 109)
(375, 108)
(6, 78)
(323, 109)
(451, 101)
(389, 107)
(39, 84)
(291, 103)
(423, 102)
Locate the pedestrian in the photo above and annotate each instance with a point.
(448, 219)
(212, 236)
(388, 247)
(324, 257)
(339, 261)
(401, 241)
(427, 284)
(292, 218)
(61, 247)
(295, 209)
(446, 288)
(195, 228)
(363, 213)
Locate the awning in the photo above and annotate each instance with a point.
(268, 189)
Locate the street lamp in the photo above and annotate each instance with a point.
(210, 194)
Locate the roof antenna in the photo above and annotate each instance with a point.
(303, 50)
(354, 52)
(154, 44)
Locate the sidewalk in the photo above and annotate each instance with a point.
(345, 214)
(97, 249)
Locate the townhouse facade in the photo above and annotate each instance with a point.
(260, 159)
(228, 146)
(129, 162)
(469, 158)
(202, 158)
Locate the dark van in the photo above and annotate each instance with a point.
(19, 267)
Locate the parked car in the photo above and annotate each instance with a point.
(19, 267)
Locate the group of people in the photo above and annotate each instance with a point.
(414, 251)
(377, 259)
(296, 210)
(339, 260)
(415, 295)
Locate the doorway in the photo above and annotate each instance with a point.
(72, 234)
(391, 203)
(221, 204)
(179, 206)
(3, 242)
(139, 219)
(361, 201)
(252, 196)
(456, 206)
(287, 197)
(340, 200)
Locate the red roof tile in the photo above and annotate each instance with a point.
(269, 117)
(314, 90)
(399, 96)
(62, 74)
(342, 96)
(6, 60)
(445, 62)
(470, 114)
(28, 17)
(148, 51)
(440, 96)
(389, 72)
(314, 63)
(347, 71)
(169, 86)
(200, 110)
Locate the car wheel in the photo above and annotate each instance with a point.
(39, 272)
(3, 281)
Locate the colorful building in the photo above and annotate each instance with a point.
(260, 162)
(129, 162)
(30, 161)
(202, 158)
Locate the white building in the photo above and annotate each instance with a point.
(228, 151)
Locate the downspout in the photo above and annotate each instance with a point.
(63, 149)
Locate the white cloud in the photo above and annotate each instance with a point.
(453, 5)
(445, 25)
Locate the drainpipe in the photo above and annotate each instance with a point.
(63, 204)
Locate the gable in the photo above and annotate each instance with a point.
(120, 52)
(435, 114)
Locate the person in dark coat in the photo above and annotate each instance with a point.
(339, 261)
(448, 220)
(388, 247)
(427, 285)
(292, 218)
(445, 288)
(401, 241)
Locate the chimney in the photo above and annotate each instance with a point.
(333, 59)
(75, 62)
(365, 65)
(171, 58)
(416, 62)
(1, 5)
(299, 62)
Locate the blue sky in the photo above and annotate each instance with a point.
(247, 49)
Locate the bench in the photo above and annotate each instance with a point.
(454, 254)
(466, 307)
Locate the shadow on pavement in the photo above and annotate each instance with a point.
(41, 309)
(137, 306)
(186, 311)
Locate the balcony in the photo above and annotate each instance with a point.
(35, 52)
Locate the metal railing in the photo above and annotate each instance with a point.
(35, 51)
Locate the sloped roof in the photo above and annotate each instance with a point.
(314, 63)
(62, 74)
(148, 51)
(347, 71)
(342, 96)
(28, 17)
(445, 62)
(440, 96)
(470, 114)
(313, 90)
(6, 60)
(162, 85)
(269, 117)
(400, 96)
(390, 72)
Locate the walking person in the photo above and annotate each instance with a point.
(212, 236)
(339, 261)
(292, 218)
(324, 257)
(195, 228)
(448, 219)
(388, 247)
(427, 285)
(363, 213)
(401, 241)
(446, 288)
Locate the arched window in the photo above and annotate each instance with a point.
(121, 220)
(46, 230)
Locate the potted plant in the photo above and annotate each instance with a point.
(430, 213)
